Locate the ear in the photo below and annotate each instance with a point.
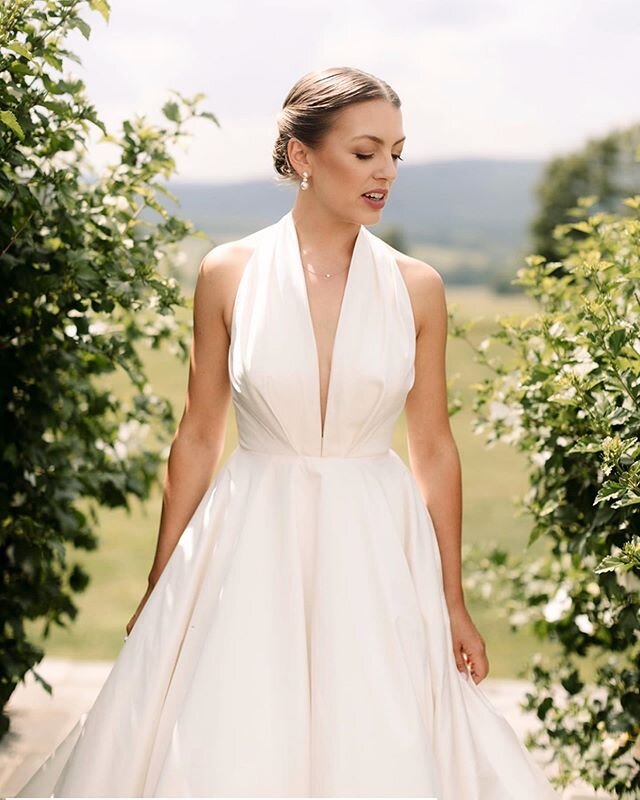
(298, 156)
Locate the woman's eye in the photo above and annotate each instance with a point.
(364, 156)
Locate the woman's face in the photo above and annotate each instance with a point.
(347, 164)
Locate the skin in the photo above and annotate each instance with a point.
(327, 217)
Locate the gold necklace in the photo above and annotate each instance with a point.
(326, 274)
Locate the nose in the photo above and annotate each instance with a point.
(388, 171)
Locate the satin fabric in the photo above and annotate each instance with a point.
(297, 642)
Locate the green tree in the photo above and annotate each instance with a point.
(81, 290)
(605, 169)
(566, 394)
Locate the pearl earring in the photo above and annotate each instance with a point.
(305, 182)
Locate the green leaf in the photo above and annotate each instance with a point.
(101, 6)
(544, 707)
(609, 564)
(82, 25)
(171, 110)
(608, 490)
(9, 119)
(583, 226)
(20, 68)
(52, 59)
(632, 202)
(587, 201)
(20, 48)
(209, 115)
(626, 502)
(617, 339)
(56, 106)
(572, 682)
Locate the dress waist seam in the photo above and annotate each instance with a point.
(294, 456)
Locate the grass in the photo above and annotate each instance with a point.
(492, 478)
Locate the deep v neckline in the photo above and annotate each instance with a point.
(299, 276)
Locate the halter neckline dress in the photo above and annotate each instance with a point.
(297, 642)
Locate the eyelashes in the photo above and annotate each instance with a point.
(366, 156)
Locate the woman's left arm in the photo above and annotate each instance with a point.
(434, 457)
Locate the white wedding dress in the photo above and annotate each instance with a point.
(297, 642)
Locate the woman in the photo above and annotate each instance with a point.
(304, 630)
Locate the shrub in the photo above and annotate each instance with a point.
(566, 395)
(81, 291)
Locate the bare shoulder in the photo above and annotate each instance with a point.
(220, 272)
(424, 284)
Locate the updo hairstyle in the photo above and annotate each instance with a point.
(314, 102)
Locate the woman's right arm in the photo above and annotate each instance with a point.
(200, 437)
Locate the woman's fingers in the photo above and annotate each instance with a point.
(478, 664)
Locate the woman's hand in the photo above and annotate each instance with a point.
(468, 645)
(145, 597)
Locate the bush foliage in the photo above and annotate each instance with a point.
(566, 395)
(79, 269)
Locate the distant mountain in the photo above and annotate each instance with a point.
(471, 216)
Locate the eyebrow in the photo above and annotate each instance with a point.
(376, 138)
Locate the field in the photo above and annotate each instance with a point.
(492, 478)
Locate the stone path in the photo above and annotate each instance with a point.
(39, 721)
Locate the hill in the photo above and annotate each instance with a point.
(467, 217)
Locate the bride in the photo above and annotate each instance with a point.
(304, 630)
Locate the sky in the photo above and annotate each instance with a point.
(477, 78)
